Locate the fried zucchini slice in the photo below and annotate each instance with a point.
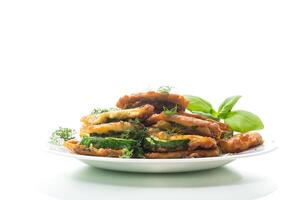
(195, 125)
(107, 147)
(108, 128)
(158, 145)
(223, 126)
(195, 141)
(140, 113)
(109, 142)
(240, 142)
(75, 147)
(157, 99)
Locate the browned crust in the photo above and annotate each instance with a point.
(184, 154)
(75, 147)
(240, 142)
(106, 128)
(196, 141)
(153, 98)
(203, 127)
(140, 112)
(223, 127)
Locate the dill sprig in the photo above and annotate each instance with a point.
(227, 134)
(102, 110)
(135, 121)
(62, 134)
(171, 111)
(136, 134)
(127, 153)
(164, 89)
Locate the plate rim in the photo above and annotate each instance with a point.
(267, 148)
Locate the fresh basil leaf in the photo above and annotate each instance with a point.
(198, 104)
(243, 121)
(227, 106)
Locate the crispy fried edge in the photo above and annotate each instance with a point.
(196, 141)
(75, 147)
(204, 127)
(240, 142)
(127, 100)
(140, 112)
(184, 154)
(223, 126)
(106, 128)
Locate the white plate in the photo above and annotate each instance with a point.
(162, 165)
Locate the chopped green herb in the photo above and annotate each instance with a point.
(135, 120)
(175, 129)
(62, 134)
(136, 134)
(164, 89)
(227, 134)
(155, 144)
(171, 111)
(102, 110)
(127, 153)
(109, 142)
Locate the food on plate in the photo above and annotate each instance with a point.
(76, 147)
(223, 126)
(163, 125)
(110, 116)
(157, 99)
(107, 128)
(184, 154)
(240, 142)
(190, 124)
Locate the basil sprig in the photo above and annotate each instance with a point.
(227, 106)
(239, 120)
(199, 104)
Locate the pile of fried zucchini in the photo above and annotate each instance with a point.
(151, 125)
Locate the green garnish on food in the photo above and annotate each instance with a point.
(164, 89)
(102, 110)
(227, 106)
(199, 104)
(131, 148)
(136, 134)
(62, 134)
(109, 142)
(241, 121)
(171, 111)
(227, 134)
(153, 124)
(135, 121)
(155, 144)
(127, 153)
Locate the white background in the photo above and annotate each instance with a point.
(59, 59)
